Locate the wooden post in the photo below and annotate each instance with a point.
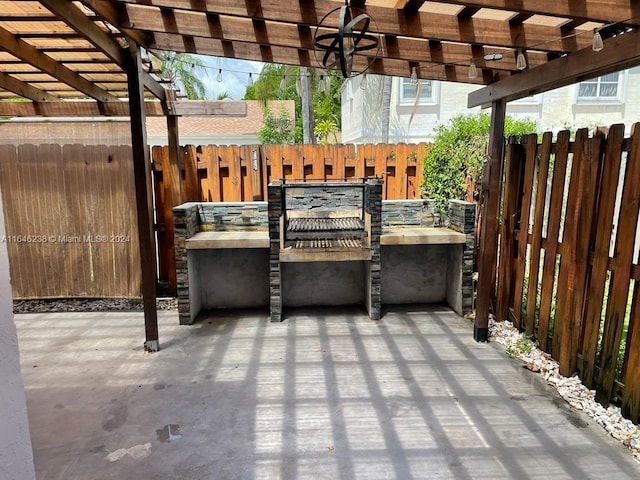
(144, 206)
(491, 181)
(173, 172)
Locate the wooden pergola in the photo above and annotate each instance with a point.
(79, 58)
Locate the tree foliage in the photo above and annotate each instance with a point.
(277, 130)
(453, 167)
(326, 106)
(184, 70)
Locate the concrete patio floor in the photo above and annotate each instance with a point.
(327, 394)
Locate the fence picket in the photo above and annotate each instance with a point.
(514, 160)
(191, 189)
(551, 241)
(536, 235)
(598, 276)
(523, 227)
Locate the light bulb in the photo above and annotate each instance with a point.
(250, 79)
(327, 84)
(283, 83)
(219, 77)
(473, 70)
(324, 84)
(363, 82)
(521, 62)
(597, 41)
(299, 86)
(347, 42)
(414, 76)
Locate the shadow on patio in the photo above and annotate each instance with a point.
(325, 394)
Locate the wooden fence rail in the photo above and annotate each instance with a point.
(568, 266)
(70, 221)
(234, 173)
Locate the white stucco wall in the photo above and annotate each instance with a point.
(16, 458)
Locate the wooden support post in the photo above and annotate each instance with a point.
(491, 181)
(144, 206)
(173, 176)
(174, 154)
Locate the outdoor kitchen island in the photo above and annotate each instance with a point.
(322, 244)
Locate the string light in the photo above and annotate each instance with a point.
(521, 62)
(597, 44)
(283, 83)
(473, 70)
(250, 82)
(414, 76)
(219, 77)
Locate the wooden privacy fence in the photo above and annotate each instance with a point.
(70, 220)
(234, 173)
(568, 263)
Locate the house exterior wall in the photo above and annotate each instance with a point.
(409, 123)
(16, 457)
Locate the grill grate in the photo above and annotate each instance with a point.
(325, 224)
(330, 243)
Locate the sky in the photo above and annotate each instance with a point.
(235, 76)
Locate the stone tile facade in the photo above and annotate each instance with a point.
(323, 198)
(186, 224)
(410, 213)
(373, 208)
(275, 195)
(227, 216)
(462, 218)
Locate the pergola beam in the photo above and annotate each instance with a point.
(21, 49)
(289, 35)
(603, 11)
(410, 6)
(82, 24)
(388, 21)
(23, 89)
(620, 52)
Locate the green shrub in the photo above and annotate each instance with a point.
(453, 167)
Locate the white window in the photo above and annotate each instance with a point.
(532, 100)
(607, 88)
(408, 92)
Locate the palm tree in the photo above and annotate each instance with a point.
(183, 71)
(386, 108)
(308, 118)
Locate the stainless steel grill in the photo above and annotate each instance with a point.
(330, 243)
(325, 224)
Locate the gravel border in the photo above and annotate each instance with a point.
(89, 305)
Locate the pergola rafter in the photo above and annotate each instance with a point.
(21, 49)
